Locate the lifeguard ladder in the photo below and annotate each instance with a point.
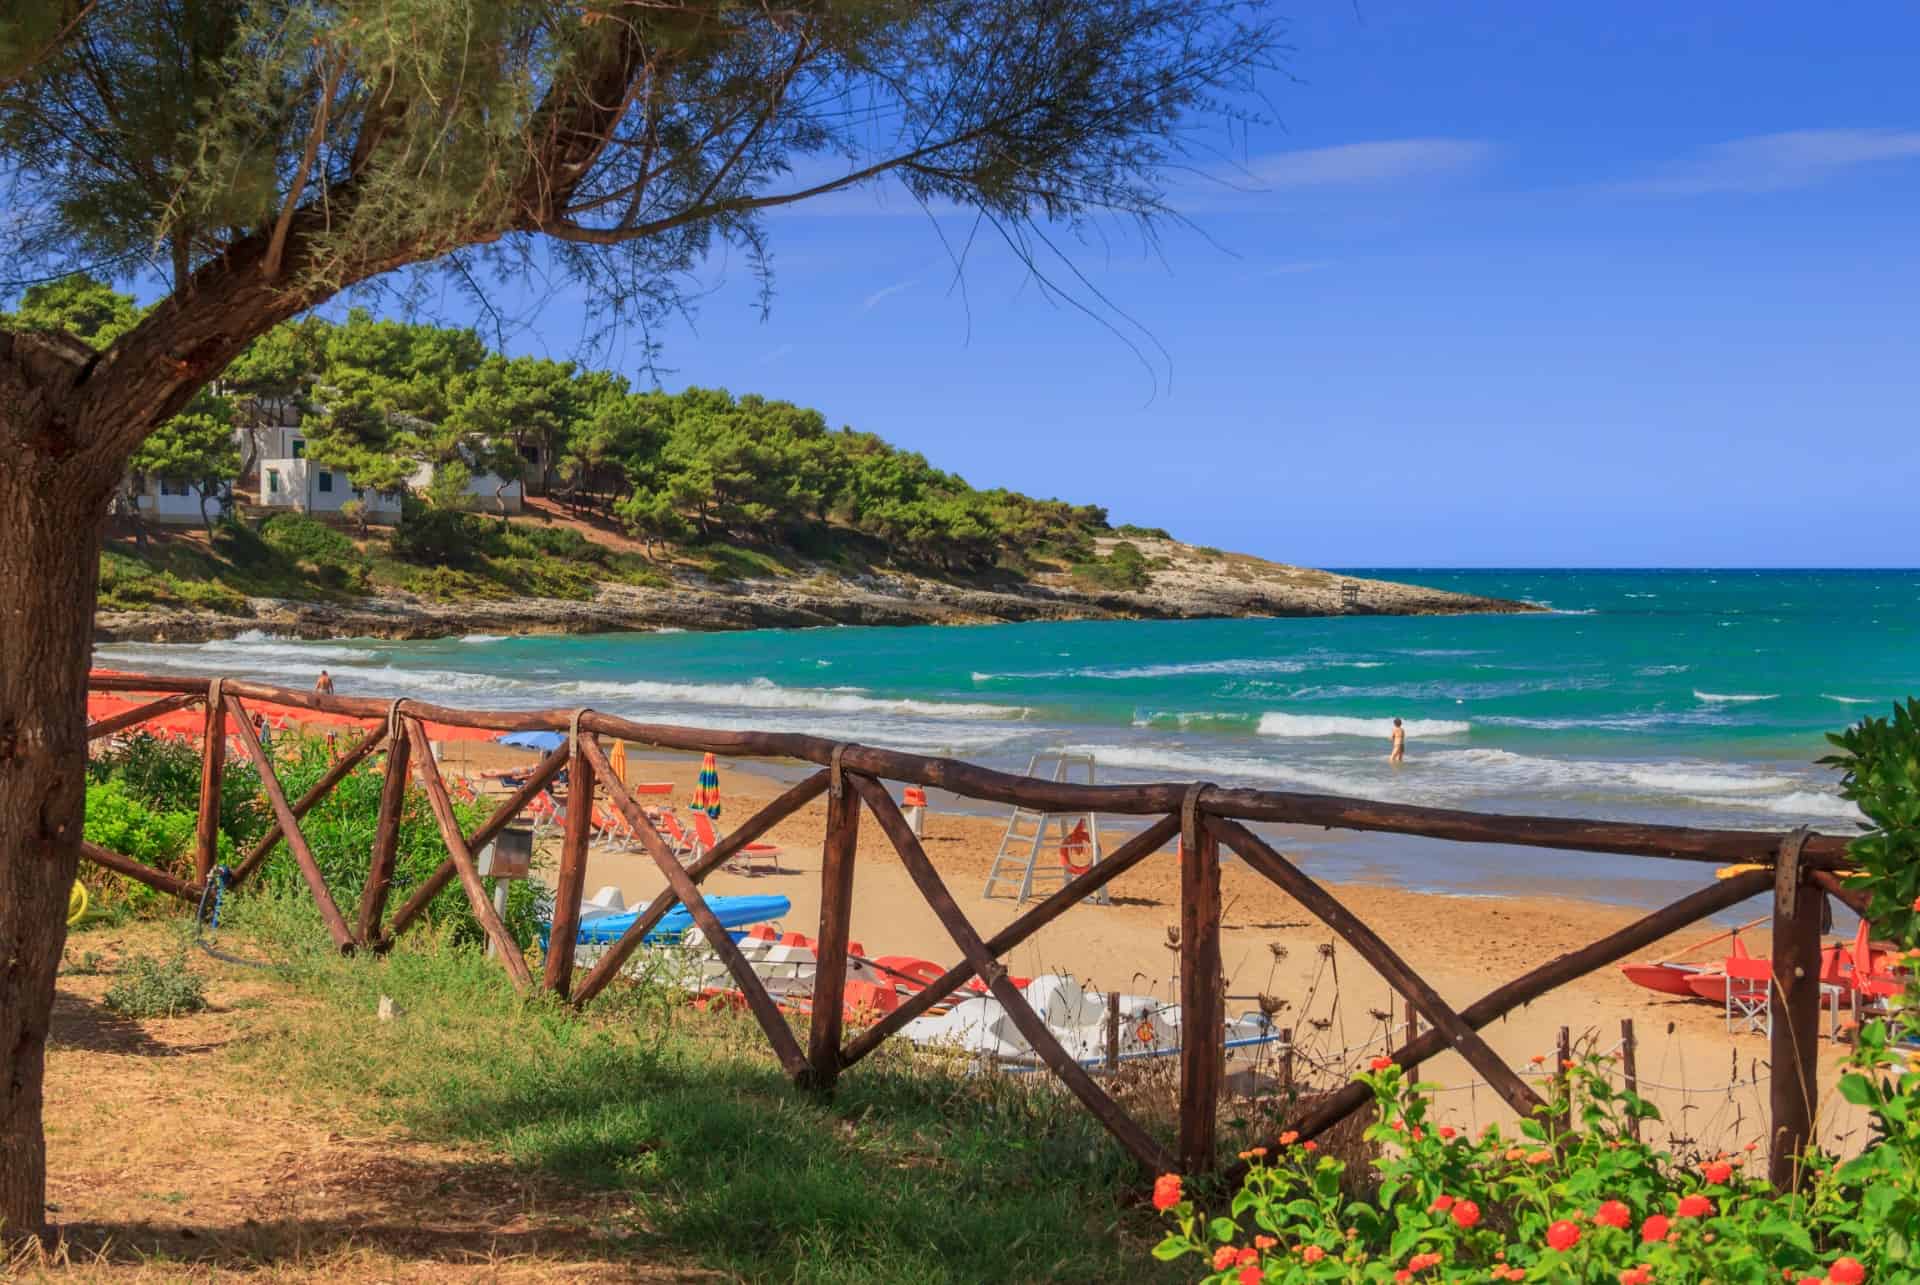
(1031, 848)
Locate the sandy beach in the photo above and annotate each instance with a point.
(1710, 1084)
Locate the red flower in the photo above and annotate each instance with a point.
(1224, 1257)
(1402, 1276)
(1717, 1172)
(1635, 1276)
(1312, 1254)
(1440, 1205)
(1694, 1206)
(1381, 1063)
(1166, 1191)
(1252, 1275)
(1466, 1213)
(1654, 1230)
(1846, 1271)
(1563, 1235)
(1264, 1242)
(1446, 1133)
(1309, 1145)
(1613, 1214)
(1420, 1262)
(1247, 1255)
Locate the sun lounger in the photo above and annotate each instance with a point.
(760, 854)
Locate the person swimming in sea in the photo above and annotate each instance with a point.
(1398, 754)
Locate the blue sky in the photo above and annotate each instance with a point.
(1520, 284)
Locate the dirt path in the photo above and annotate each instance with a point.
(165, 1166)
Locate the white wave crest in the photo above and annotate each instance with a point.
(484, 638)
(1654, 671)
(1277, 724)
(1799, 803)
(1178, 763)
(1847, 700)
(1732, 698)
(763, 693)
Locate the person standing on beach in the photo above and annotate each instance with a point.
(1398, 754)
(323, 685)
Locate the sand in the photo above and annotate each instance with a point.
(1709, 1082)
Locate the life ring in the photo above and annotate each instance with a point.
(1144, 1033)
(1076, 853)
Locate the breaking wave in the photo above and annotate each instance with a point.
(1276, 724)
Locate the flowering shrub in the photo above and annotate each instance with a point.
(1586, 1204)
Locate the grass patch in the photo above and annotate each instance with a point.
(720, 561)
(153, 987)
(910, 1174)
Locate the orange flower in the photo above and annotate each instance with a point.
(1420, 1262)
(1538, 1059)
(1694, 1206)
(1258, 1151)
(1540, 1157)
(1717, 1172)
(1846, 1271)
(1265, 1242)
(1224, 1257)
(1247, 1255)
(1563, 1235)
(1636, 1275)
(1465, 1213)
(1166, 1191)
(1288, 1138)
(1312, 1254)
(1613, 1214)
(1447, 1132)
(1309, 1145)
(1381, 1063)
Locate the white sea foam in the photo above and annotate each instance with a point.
(256, 642)
(1278, 724)
(763, 693)
(1685, 779)
(484, 638)
(1799, 803)
(1654, 671)
(1847, 700)
(1733, 698)
(1181, 764)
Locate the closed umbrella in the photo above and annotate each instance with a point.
(706, 794)
(618, 761)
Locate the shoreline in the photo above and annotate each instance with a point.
(1194, 584)
(1464, 945)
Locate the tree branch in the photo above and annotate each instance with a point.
(276, 248)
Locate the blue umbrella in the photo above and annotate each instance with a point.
(545, 742)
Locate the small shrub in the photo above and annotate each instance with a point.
(306, 539)
(438, 537)
(1142, 532)
(1124, 568)
(150, 987)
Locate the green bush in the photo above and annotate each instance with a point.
(1124, 568)
(1142, 532)
(1879, 763)
(164, 776)
(150, 987)
(305, 539)
(438, 537)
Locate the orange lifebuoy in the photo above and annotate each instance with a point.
(1078, 845)
(1145, 1033)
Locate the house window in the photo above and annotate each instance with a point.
(531, 454)
(299, 447)
(168, 487)
(273, 481)
(326, 480)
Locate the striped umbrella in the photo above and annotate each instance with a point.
(706, 795)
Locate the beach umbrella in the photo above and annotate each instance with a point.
(618, 761)
(706, 795)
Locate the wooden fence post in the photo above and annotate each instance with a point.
(1202, 1012)
(1630, 1070)
(1413, 1033)
(1286, 1061)
(837, 855)
(1795, 1034)
(1562, 1122)
(571, 882)
(1113, 1030)
(386, 840)
(213, 766)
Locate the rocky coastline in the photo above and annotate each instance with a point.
(1188, 583)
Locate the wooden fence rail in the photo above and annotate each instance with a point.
(1798, 869)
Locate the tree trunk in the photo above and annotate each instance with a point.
(49, 565)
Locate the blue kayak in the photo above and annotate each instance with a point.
(732, 912)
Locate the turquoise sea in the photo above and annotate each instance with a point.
(1696, 697)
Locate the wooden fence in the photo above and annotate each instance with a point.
(1798, 868)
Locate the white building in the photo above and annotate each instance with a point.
(486, 492)
(168, 503)
(297, 483)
